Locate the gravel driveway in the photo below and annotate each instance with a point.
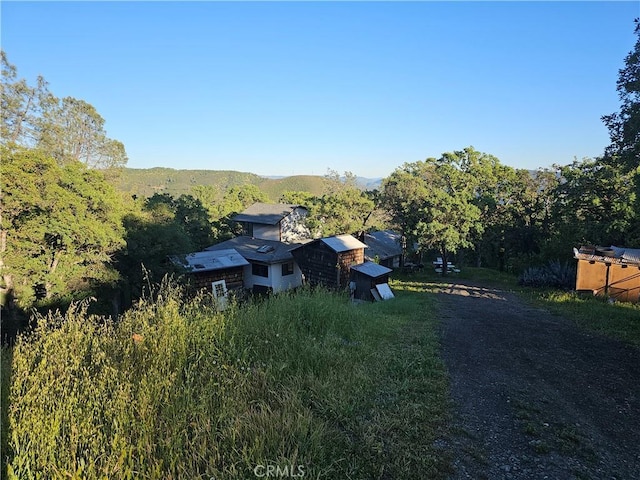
(534, 397)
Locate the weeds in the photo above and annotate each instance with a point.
(175, 389)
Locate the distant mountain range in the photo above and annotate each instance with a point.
(147, 181)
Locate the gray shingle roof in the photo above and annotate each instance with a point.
(385, 244)
(619, 255)
(257, 250)
(266, 213)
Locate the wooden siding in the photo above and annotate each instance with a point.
(320, 265)
(233, 277)
(364, 284)
(621, 282)
(345, 261)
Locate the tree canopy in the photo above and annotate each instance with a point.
(624, 126)
(431, 201)
(66, 129)
(61, 224)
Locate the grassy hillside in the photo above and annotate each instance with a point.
(305, 381)
(298, 183)
(146, 182)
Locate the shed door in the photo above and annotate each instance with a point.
(219, 290)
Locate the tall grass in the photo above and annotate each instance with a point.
(306, 382)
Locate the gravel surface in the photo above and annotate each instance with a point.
(533, 396)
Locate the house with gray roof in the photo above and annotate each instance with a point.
(385, 248)
(278, 222)
(270, 265)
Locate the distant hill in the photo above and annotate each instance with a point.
(369, 183)
(274, 187)
(144, 182)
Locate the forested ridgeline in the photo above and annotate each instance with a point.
(74, 225)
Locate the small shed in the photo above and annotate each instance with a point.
(207, 268)
(326, 261)
(370, 281)
(610, 271)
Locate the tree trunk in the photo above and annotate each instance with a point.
(52, 268)
(445, 261)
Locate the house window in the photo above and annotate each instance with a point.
(260, 270)
(287, 269)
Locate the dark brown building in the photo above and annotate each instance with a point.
(327, 261)
(218, 272)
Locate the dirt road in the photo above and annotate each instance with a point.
(534, 397)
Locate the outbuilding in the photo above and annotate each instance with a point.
(218, 272)
(370, 281)
(610, 271)
(326, 261)
(384, 247)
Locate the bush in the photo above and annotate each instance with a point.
(554, 274)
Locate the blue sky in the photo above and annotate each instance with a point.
(284, 88)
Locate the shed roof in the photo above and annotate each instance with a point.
(258, 250)
(209, 260)
(371, 269)
(613, 254)
(266, 213)
(384, 243)
(343, 243)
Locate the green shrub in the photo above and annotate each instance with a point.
(554, 274)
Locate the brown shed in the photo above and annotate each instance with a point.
(326, 261)
(612, 271)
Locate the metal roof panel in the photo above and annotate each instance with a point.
(209, 260)
(342, 243)
(371, 269)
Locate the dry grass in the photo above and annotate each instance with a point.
(175, 390)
